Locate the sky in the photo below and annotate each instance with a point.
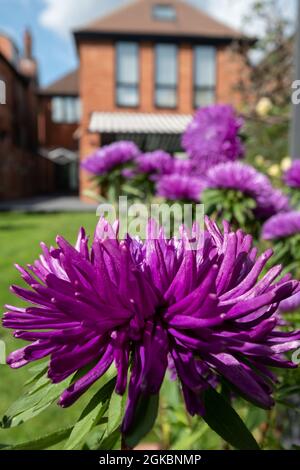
(52, 21)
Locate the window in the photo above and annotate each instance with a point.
(2, 91)
(205, 75)
(166, 76)
(65, 109)
(164, 12)
(127, 79)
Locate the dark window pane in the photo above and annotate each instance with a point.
(205, 75)
(70, 110)
(166, 64)
(127, 63)
(127, 76)
(166, 98)
(127, 96)
(204, 97)
(164, 12)
(205, 66)
(57, 109)
(166, 75)
(78, 109)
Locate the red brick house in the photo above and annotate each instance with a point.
(59, 117)
(22, 172)
(146, 67)
(143, 70)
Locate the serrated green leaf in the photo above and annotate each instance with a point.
(225, 421)
(37, 399)
(37, 372)
(92, 413)
(44, 442)
(144, 419)
(115, 412)
(111, 442)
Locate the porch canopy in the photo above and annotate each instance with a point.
(149, 131)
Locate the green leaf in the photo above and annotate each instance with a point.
(190, 438)
(115, 412)
(225, 421)
(37, 399)
(92, 413)
(111, 442)
(42, 442)
(143, 421)
(37, 372)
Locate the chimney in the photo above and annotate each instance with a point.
(27, 40)
(28, 65)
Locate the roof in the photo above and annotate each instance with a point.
(66, 85)
(22, 77)
(139, 123)
(137, 18)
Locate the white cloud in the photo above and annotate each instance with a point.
(62, 16)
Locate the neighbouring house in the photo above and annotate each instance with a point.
(22, 172)
(58, 121)
(145, 68)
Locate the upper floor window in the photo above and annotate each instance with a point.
(164, 12)
(127, 80)
(166, 76)
(205, 75)
(65, 109)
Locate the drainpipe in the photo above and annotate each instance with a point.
(295, 129)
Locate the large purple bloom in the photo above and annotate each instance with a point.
(213, 136)
(109, 157)
(281, 226)
(136, 304)
(182, 187)
(292, 176)
(246, 179)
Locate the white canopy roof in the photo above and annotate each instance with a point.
(139, 123)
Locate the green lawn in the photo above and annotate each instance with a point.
(20, 235)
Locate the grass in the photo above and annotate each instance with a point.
(20, 235)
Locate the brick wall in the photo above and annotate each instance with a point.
(97, 85)
(22, 172)
(52, 134)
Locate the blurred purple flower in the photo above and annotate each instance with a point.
(212, 137)
(134, 303)
(129, 173)
(158, 162)
(184, 167)
(281, 226)
(180, 187)
(109, 157)
(246, 179)
(292, 176)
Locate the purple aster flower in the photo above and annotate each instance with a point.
(184, 167)
(136, 303)
(158, 162)
(129, 173)
(212, 137)
(281, 226)
(179, 187)
(292, 176)
(246, 179)
(109, 157)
